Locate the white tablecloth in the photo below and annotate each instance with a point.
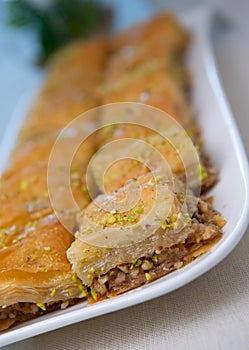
(209, 313)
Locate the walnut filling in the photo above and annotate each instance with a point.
(128, 276)
(206, 227)
(21, 312)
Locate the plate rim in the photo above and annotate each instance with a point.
(191, 271)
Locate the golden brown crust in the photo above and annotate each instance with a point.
(164, 26)
(34, 263)
(70, 89)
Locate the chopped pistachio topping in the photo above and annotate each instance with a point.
(84, 292)
(164, 225)
(155, 258)
(84, 189)
(147, 276)
(181, 197)
(168, 223)
(75, 175)
(21, 237)
(24, 185)
(92, 270)
(41, 306)
(32, 257)
(53, 292)
(75, 278)
(111, 219)
(138, 263)
(131, 219)
(174, 225)
(203, 172)
(70, 292)
(3, 232)
(158, 178)
(94, 294)
(139, 210)
(31, 224)
(76, 183)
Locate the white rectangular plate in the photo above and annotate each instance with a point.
(231, 193)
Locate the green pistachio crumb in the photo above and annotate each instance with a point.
(158, 178)
(139, 210)
(111, 219)
(75, 175)
(147, 276)
(76, 183)
(3, 232)
(131, 219)
(32, 257)
(31, 224)
(74, 278)
(41, 306)
(164, 225)
(70, 292)
(53, 292)
(174, 225)
(92, 270)
(94, 294)
(24, 186)
(84, 292)
(104, 222)
(138, 263)
(155, 258)
(84, 189)
(203, 172)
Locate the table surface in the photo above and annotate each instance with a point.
(209, 313)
